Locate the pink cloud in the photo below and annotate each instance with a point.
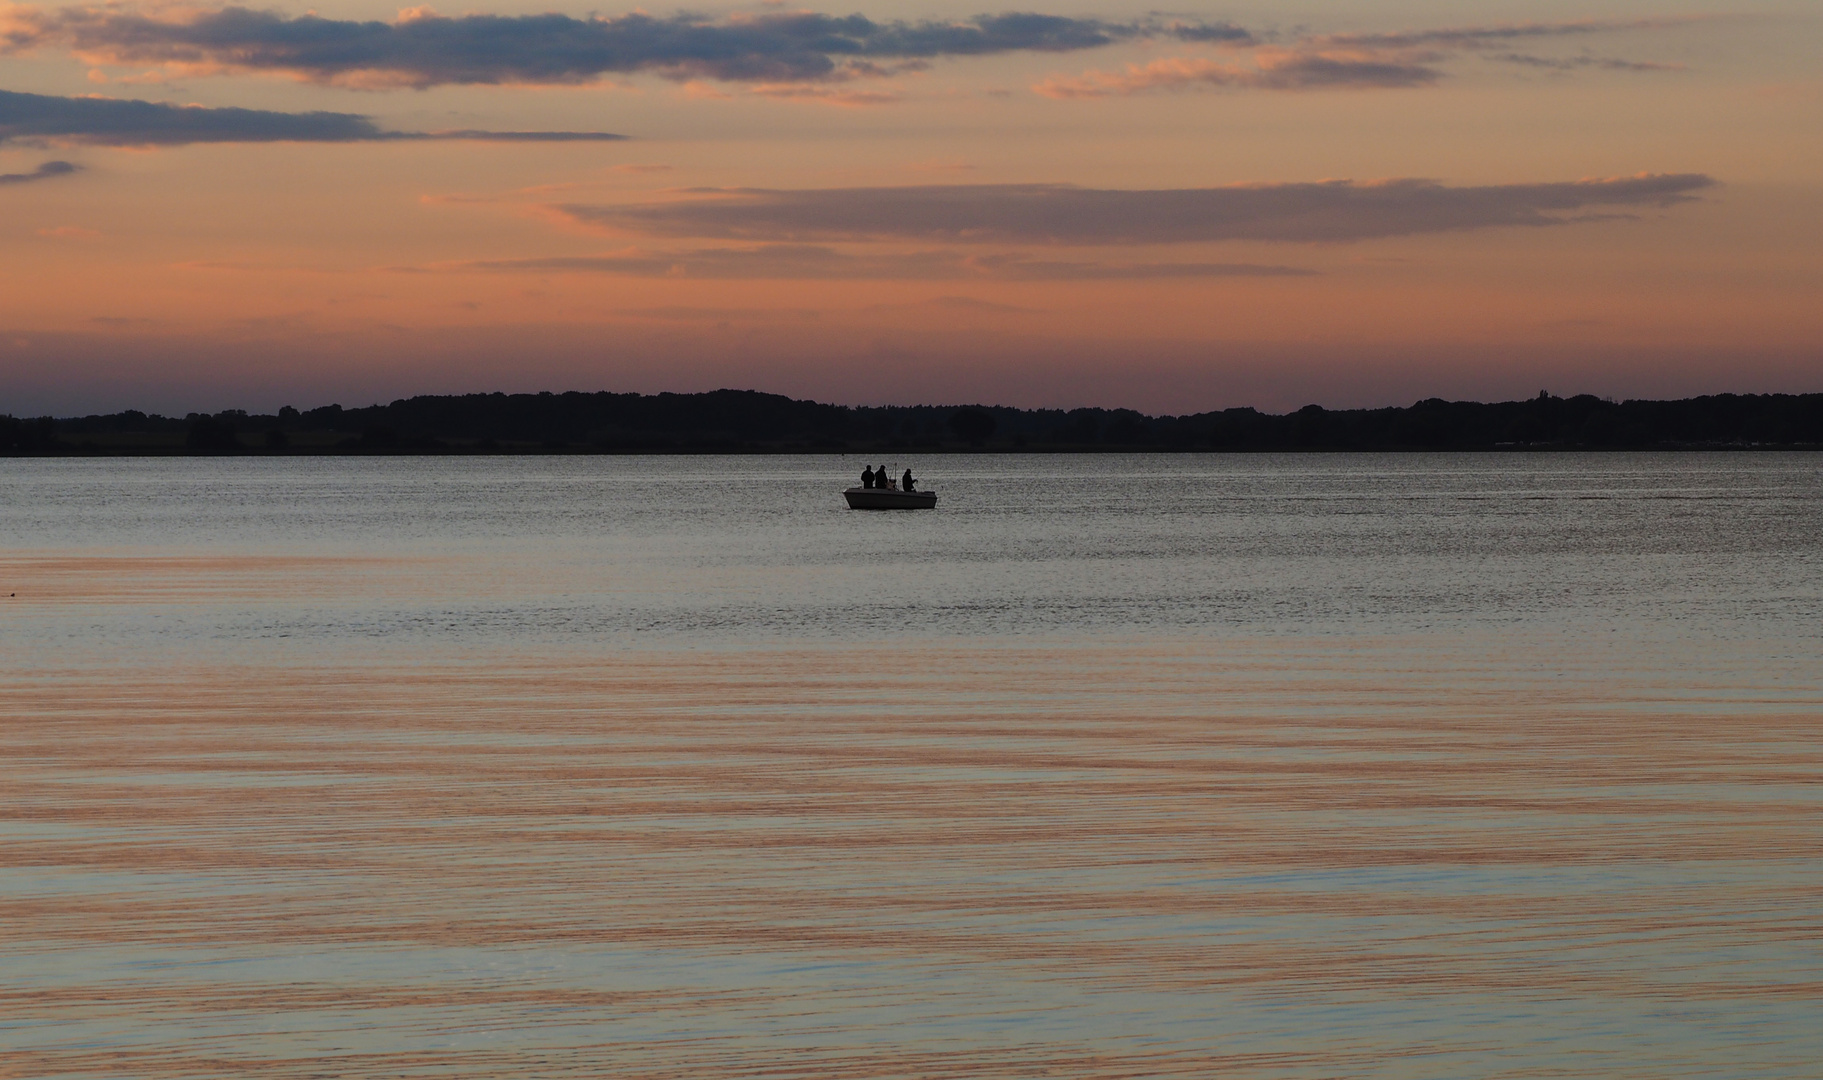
(825, 95)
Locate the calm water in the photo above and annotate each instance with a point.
(1304, 767)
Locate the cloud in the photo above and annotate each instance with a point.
(1334, 210)
(1484, 37)
(1357, 61)
(1571, 63)
(42, 172)
(814, 262)
(825, 95)
(422, 48)
(1275, 69)
(98, 121)
(475, 135)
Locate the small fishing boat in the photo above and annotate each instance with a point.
(885, 498)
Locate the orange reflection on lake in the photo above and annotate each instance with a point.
(1139, 859)
(1426, 767)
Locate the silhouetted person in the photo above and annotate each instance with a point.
(906, 481)
(880, 477)
(867, 478)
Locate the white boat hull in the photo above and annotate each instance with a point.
(860, 498)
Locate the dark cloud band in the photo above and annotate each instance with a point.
(422, 49)
(43, 172)
(1486, 37)
(1061, 214)
(1378, 61)
(113, 122)
(1275, 69)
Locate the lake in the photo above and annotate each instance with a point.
(1289, 766)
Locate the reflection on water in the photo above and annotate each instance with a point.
(1113, 767)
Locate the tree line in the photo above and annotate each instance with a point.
(749, 421)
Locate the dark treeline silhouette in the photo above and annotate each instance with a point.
(748, 421)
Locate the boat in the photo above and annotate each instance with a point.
(866, 498)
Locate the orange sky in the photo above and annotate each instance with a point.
(1343, 203)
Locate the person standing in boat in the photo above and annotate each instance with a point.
(867, 477)
(906, 482)
(881, 479)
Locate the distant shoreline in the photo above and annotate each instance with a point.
(749, 422)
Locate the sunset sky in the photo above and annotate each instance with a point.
(1087, 202)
